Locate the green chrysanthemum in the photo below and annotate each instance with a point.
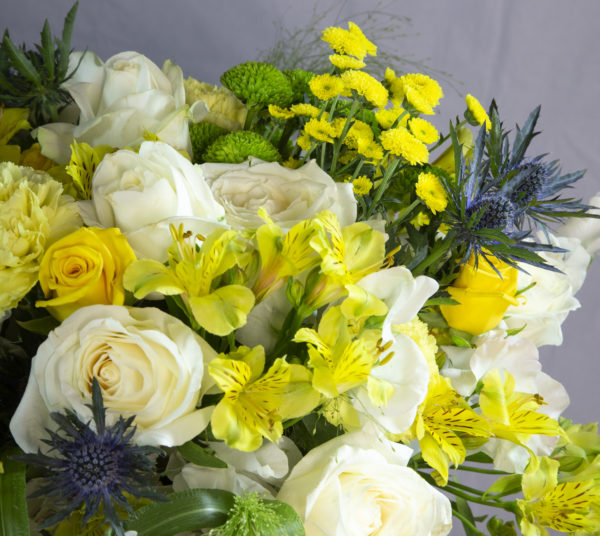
(236, 147)
(202, 135)
(258, 83)
(299, 79)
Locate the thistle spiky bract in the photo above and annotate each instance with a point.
(93, 465)
(33, 78)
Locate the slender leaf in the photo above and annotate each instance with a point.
(464, 509)
(41, 326)
(194, 453)
(47, 50)
(14, 520)
(21, 62)
(188, 510)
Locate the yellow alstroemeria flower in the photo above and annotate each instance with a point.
(84, 161)
(347, 255)
(249, 410)
(512, 415)
(443, 413)
(283, 255)
(566, 506)
(483, 295)
(191, 273)
(341, 361)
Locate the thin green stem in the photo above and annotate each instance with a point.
(481, 470)
(338, 143)
(466, 522)
(384, 183)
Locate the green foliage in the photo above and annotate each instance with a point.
(253, 516)
(14, 368)
(202, 135)
(194, 453)
(14, 520)
(236, 147)
(32, 78)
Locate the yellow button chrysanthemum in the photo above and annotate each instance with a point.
(423, 130)
(367, 86)
(423, 92)
(401, 142)
(326, 86)
(430, 190)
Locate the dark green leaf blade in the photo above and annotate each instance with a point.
(14, 520)
(187, 510)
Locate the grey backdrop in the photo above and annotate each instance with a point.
(520, 52)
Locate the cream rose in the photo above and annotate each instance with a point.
(550, 296)
(118, 101)
(143, 193)
(288, 195)
(148, 364)
(358, 484)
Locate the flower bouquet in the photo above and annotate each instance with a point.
(287, 305)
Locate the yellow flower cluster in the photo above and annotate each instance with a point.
(352, 41)
(326, 86)
(401, 142)
(367, 86)
(430, 190)
(421, 91)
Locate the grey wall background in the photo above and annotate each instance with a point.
(520, 52)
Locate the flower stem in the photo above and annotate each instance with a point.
(383, 186)
(466, 522)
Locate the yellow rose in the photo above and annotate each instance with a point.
(483, 296)
(84, 268)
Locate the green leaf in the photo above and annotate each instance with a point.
(64, 46)
(192, 509)
(514, 331)
(14, 520)
(440, 301)
(198, 455)
(291, 524)
(479, 457)
(41, 326)
(507, 483)
(464, 509)
(20, 61)
(47, 50)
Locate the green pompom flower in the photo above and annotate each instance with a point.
(299, 79)
(258, 83)
(202, 135)
(236, 147)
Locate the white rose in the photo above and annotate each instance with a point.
(587, 230)
(258, 471)
(288, 195)
(358, 484)
(117, 102)
(520, 358)
(148, 364)
(550, 295)
(142, 193)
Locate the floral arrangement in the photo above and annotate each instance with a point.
(287, 305)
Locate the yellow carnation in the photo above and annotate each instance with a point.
(401, 142)
(367, 86)
(33, 215)
(478, 112)
(326, 86)
(430, 190)
(423, 130)
(223, 108)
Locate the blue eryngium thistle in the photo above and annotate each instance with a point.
(93, 467)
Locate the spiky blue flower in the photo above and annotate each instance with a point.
(94, 465)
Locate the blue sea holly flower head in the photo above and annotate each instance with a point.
(91, 465)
